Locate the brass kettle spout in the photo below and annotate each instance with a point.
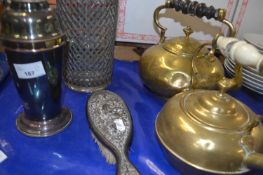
(254, 160)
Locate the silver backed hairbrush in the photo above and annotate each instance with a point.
(111, 126)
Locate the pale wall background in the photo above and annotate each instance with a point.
(136, 20)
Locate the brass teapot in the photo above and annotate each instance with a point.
(209, 130)
(168, 68)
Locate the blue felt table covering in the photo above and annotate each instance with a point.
(73, 152)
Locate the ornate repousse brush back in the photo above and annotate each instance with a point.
(90, 26)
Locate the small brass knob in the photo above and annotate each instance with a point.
(221, 14)
(188, 31)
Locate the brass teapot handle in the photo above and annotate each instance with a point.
(192, 8)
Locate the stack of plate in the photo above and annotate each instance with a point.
(251, 78)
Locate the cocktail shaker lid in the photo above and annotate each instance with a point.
(29, 21)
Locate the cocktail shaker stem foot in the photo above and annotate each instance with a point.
(44, 128)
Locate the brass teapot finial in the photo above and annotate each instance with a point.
(188, 31)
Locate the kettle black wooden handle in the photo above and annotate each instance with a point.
(197, 9)
(192, 8)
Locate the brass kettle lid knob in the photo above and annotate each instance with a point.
(188, 31)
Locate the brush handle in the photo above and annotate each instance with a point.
(125, 167)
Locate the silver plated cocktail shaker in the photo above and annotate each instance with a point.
(35, 49)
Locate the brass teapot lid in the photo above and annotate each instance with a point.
(216, 110)
(182, 45)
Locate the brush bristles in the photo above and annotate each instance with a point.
(110, 158)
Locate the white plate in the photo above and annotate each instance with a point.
(254, 90)
(248, 82)
(254, 39)
(246, 70)
(245, 75)
(250, 69)
(248, 75)
(250, 85)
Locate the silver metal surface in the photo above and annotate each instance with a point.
(35, 49)
(111, 123)
(44, 128)
(23, 20)
(90, 26)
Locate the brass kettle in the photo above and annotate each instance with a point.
(210, 130)
(168, 68)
